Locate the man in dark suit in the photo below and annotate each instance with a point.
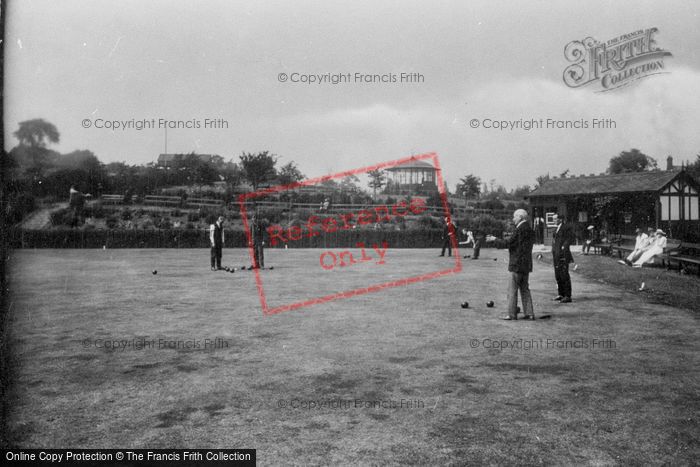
(216, 238)
(258, 238)
(448, 233)
(520, 266)
(561, 255)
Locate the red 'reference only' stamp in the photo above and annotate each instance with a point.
(323, 226)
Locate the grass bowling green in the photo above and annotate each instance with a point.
(105, 354)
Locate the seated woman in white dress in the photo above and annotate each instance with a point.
(642, 242)
(656, 248)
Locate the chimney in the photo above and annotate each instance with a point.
(669, 163)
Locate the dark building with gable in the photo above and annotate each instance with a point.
(666, 199)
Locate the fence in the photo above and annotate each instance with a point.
(439, 211)
(456, 211)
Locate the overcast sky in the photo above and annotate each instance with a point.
(67, 61)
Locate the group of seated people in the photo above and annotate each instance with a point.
(646, 247)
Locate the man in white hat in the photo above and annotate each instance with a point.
(656, 248)
(591, 237)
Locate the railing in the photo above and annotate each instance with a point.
(203, 202)
(439, 211)
(335, 208)
(112, 199)
(162, 200)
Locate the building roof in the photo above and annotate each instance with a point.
(412, 164)
(632, 182)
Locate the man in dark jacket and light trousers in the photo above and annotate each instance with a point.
(561, 255)
(216, 238)
(520, 266)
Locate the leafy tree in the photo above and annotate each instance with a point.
(232, 173)
(290, 173)
(491, 203)
(204, 173)
(36, 133)
(521, 192)
(469, 186)
(190, 162)
(631, 161)
(217, 161)
(349, 183)
(377, 179)
(541, 180)
(196, 170)
(694, 168)
(7, 163)
(258, 168)
(329, 183)
(33, 136)
(119, 177)
(81, 159)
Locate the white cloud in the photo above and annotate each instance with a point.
(658, 115)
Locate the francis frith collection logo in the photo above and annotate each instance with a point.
(615, 63)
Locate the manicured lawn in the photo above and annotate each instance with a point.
(404, 375)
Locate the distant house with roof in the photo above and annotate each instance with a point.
(666, 199)
(415, 177)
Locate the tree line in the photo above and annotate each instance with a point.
(33, 170)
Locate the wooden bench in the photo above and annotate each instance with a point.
(112, 199)
(606, 247)
(683, 254)
(669, 251)
(162, 200)
(623, 245)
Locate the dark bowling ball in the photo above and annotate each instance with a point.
(465, 304)
(155, 272)
(271, 268)
(489, 304)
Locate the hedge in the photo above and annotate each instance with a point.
(74, 238)
(179, 238)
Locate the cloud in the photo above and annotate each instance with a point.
(360, 136)
(658, 115)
